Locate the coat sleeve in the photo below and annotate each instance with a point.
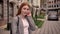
(31, 23)
(14, 25)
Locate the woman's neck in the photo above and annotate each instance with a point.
(22, 16)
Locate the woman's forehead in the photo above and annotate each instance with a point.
(26, 6)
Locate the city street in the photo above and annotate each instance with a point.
(9, 9)
(2, 31)
(49, 27)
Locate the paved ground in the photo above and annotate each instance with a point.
(49, 27)
(2, 31)
(3, 25)
(2, 22)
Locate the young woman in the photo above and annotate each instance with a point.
(23, 22)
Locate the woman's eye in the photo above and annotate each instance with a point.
(24, 8)
(27, 9)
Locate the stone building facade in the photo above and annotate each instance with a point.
(53, 5)
(9, 8)
(3, 12)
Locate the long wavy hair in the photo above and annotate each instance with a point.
(23, 4)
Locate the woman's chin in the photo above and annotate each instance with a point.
(24, 14)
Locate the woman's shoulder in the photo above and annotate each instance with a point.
(15, 17)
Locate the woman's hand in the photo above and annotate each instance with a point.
(29, 13)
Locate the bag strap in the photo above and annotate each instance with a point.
(18, 21)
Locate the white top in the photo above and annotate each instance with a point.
(26, 25)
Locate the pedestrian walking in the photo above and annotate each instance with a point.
(23, 23)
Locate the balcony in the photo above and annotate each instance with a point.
(58, 4)
(54, 6)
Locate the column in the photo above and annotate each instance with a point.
(5, 9)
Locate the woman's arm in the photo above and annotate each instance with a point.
(31, 23)
(14, 25)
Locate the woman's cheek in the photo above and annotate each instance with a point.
(25, 13)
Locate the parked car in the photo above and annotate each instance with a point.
(53, 16)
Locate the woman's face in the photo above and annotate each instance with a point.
(25, 10)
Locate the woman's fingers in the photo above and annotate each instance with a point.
(29, 13)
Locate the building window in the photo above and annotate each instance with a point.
(1, 9)
(49, 6)
(57, 5)
(54, 5)
(11, 9)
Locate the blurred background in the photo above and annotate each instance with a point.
(40, 9)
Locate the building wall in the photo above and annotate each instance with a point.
(53, 4)
(7, 7)
(3, 12)
(36, 3)
(1, 9)
(13, 8)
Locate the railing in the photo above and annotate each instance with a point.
(53, 6)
